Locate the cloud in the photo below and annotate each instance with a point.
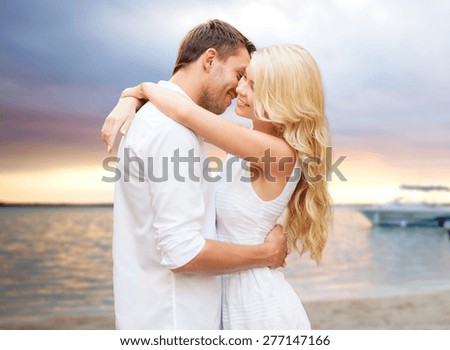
(384, 66)
(379, 60)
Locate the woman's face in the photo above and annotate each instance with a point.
(244, 105)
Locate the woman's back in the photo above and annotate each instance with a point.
(242, 216)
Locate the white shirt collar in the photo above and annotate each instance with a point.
(173, 86)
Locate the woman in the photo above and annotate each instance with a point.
(281, 92)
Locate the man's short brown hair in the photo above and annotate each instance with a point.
(214, 34)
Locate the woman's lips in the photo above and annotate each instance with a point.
(242, 103)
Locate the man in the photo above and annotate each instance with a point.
(166, 256)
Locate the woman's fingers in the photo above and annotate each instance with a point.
(110, 129)
(119, 119)
(126, 125)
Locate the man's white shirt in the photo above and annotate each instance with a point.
(160, 223)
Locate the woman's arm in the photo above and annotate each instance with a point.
(263, 150)
(120, 118)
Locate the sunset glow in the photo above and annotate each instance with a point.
(384, 68)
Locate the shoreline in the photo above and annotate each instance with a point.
(414, 312)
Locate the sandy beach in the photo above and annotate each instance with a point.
(429, 311)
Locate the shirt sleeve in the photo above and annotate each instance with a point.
(177, 196)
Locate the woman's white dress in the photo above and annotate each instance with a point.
(258, 298)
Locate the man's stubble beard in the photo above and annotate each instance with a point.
(209, 102)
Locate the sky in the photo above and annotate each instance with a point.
(384, 64)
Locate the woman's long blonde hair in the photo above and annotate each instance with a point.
(288, 92)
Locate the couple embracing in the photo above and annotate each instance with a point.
(194, 254)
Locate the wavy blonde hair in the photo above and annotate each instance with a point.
(288, 92)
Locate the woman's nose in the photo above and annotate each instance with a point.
(240, 89)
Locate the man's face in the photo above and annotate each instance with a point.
(220, 88)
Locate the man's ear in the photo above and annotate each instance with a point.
(209, 56)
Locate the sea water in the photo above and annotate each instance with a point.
(56, 261)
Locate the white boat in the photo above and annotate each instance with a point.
(403, 212)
